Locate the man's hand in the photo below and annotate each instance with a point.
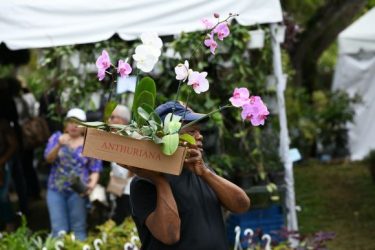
(194, 161)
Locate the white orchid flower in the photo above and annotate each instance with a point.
(182, 71)
(146, 57)
(152, 39)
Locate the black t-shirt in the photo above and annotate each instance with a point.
(202, 225)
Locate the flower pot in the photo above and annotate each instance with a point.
(256, 39)
(144, 154)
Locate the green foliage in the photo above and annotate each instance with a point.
(108, 109)
(108, 236)
(170, 144)
(19, 239)
(319, 122)
(338, 198)
(144, 96)
(370, 158)
(233, 65)
(302, 10)
(188, 138)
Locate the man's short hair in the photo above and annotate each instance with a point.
(123, 112)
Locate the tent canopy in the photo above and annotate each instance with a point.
(355, 73)
(360, 36)
(44, 23)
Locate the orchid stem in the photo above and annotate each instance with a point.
(203, 117)
(175, 101)
(186, 105)
(110, 89)
(136, 85)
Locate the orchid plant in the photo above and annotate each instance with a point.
(146, 124)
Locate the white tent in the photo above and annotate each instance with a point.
(355, 73)
(45, 23)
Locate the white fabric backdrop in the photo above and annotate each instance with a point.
(45, 23)
(359, 36)
(355, 73)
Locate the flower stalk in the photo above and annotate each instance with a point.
(207, 115)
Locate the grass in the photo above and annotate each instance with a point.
(340, 199)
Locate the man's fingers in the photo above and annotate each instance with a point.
(194, 152)
(193, 159)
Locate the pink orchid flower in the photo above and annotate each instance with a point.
(211, 43)
(101, 74)
(103, 61)
(182, 71)
(240, 97)
(198, 81)
(255, 111)
(124, 68)
(222, 30)
(207, 23)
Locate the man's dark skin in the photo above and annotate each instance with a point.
(164, 222)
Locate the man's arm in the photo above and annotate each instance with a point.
(230, 195)
(164, 222)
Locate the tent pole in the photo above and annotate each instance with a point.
(281, 79)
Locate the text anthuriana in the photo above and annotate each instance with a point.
(146, 124)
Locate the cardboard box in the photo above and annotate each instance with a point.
(145, 154)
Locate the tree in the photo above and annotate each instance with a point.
(320, 31)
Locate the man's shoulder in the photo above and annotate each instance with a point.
(138, 182)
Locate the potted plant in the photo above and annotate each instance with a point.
(148, 142)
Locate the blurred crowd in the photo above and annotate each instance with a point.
(30, 138)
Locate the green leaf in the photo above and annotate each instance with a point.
(144, 116)
(167, 120)
(109, 107)
(154, 125)
(143, 113)
(170, 144)
(146, 84)
(174, 127)
(188, 138)
(157, 139)
(146, 131)
(145, 98)
(155, 117)
(275, 198)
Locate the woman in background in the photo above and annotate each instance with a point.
(66, 204)
(8, 146)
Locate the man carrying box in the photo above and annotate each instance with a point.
(184, 212)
